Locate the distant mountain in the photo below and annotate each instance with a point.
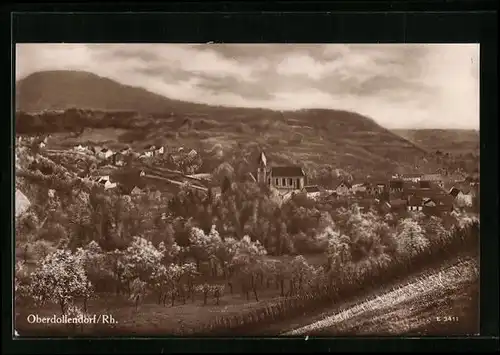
(63, 89)
(446, 140)
(313, 136)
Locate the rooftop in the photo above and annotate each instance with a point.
(287, 171)
(311, 189)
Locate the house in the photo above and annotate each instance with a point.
(192, 154)
(105, 153)
(125, 151)
(22, 203)
(280, 177)
(107, 184)
(438, 204)
(380, 187)
(411, 177)
(429, 202)
(422, 193)
(312, 191)
(79, 148)
(396, 185)
(159, 151)
(358, 188)
(118, 159)
(102, 178)
(42, 145)
(454, 192)
(142, 173)
(370, 188)
(147, 154)
(344, 188)
(414, 203)
(464, 197)
(136, 191)
(435, 178)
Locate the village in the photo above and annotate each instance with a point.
(432, 194)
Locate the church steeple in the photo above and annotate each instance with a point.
(262, 160)
(262, 169)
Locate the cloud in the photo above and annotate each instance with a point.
(398, 85)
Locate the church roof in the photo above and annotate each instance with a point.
(287, 171)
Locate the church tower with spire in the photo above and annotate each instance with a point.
(262, 169)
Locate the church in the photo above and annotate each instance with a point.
(280, 177)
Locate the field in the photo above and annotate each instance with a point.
(151, 318)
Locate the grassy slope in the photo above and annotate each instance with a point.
(445, 312)
(447, 140)
(413, 308)
(309, 137)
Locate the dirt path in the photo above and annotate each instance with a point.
(445, 278)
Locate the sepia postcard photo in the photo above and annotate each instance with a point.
(246, 189)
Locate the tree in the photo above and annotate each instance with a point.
(281, 271)
(301, 271)
(224, 255)
(160, 281)
(137, 291)
(339, 254)
(203, 246)
(218, 292)
(140, 259)
(60, 278)
(204, 289)
(248, 263)
(411, 239)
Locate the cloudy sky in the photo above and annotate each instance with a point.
(398, 85)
